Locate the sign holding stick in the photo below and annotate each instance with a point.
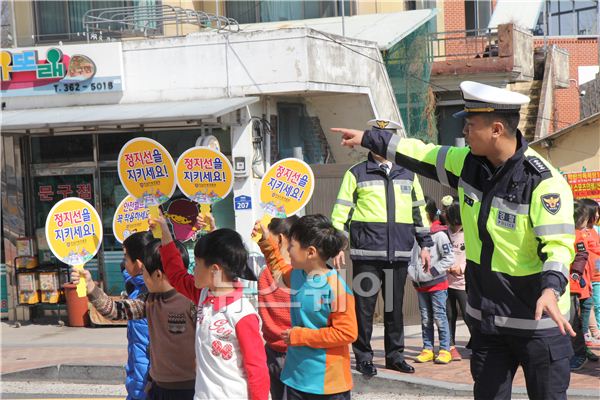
(147, 172)
(74, 233)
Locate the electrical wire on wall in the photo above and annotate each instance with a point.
(260, 130)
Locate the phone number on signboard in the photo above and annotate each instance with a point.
(84, 87)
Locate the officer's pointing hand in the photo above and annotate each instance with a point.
(547, 303)
(350, 137)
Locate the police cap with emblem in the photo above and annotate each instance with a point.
(480, 98)
(385, 124)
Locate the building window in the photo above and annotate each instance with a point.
(63, 20)
(477, 15)
(250, 11)
(62, 149)
(570, 18)
(299, 133)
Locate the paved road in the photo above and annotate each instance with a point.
(29, 390)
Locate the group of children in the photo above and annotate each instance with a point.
(305, 317)
(585, 283)
(440, 285)
(306, 311)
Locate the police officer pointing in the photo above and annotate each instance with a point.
(517, 214)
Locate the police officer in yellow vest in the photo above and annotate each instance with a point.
(382, 207)
(517, 214)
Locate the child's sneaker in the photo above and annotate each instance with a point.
(443, 357)
(577, 362)
(425, 356)
(590, 355)
(455, 354)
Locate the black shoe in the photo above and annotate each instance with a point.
(366, 368)
(401, 366)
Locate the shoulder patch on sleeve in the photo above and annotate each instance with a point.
(551, 202)
(537, 164)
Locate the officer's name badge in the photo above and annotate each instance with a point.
(551, 202)
(506, 220)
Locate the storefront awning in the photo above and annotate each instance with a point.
(111, 114)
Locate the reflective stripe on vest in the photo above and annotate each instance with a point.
(509, 207)
(378, 253)
(440, 165)
(516, 323)
(554, 229)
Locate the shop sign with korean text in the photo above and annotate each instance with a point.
(74, 231)
(147, 171)
(130, 217)
(585, 185)
(286, 188)
(62, 69)
(204, 175)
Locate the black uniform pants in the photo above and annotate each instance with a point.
(495, 359)
(368, 278)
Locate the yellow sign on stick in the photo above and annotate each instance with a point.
(74, 233)
(286, 188)
(131, 217)
(204, 175)
(147, 171)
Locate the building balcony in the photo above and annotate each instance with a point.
(491, 56)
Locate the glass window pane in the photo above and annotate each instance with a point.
(567, 26)
(553, 26)
(484, 12)
(312, 9)
(59, 149)
(328, 8)
(112, 194)
(470, 12)
(554, 6)
(51, 17)
(243, 11)
(587, 23)
(579, 5)
(76, 11)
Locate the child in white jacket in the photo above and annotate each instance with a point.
(431, 283)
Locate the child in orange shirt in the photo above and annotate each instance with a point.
(274, 300)
(317, 363)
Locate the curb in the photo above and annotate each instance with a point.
(383, 382)
(389, 382)
(71, 373)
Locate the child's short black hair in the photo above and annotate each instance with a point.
(433, 211)
(317, 231)
(225, 248)
(453, 214)
(136, 243)
(282, 226)
(152, 260)
(581, 214)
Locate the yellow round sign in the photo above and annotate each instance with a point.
(204, 175)
(147, 171)
(286, 187)
(131, 217)
(74, 231)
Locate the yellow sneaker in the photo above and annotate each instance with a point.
(443, 357)
(425, 356)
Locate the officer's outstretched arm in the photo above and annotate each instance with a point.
(442, 163)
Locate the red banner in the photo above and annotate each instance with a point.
(585, 184)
